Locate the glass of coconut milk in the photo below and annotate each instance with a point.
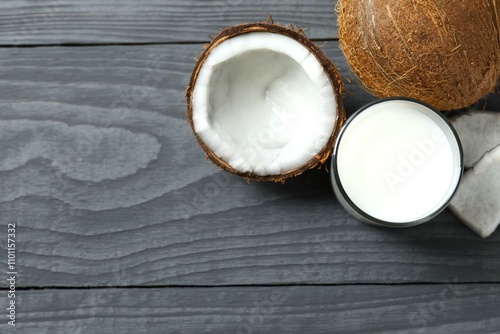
(397, 162)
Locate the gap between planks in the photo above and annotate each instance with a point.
(176, 286)
(78, 45)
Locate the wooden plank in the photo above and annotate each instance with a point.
(333, 309)
(107, 186)
(58, 22)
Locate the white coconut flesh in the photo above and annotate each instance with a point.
(479, 132)
(477, 201)
(263, 103)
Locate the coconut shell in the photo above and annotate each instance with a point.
(328, 67)
(443, 52)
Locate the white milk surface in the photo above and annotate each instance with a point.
(398, 162)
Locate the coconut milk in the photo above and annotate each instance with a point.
(397, 162)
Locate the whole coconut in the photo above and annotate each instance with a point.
(443, 52)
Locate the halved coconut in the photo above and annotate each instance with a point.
(265, 102)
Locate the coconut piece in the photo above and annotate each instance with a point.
(264, 102)
(479, 132)
(443, 52)
(477, 201)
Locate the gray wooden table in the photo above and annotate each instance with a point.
(122, 226)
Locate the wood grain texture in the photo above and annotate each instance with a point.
(58, 22)
(108, 187)
(334, 309)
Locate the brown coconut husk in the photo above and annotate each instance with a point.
(443, 52)
(330, 70)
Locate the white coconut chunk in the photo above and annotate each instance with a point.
(263, 103)
(479, 132)
(477, 201)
